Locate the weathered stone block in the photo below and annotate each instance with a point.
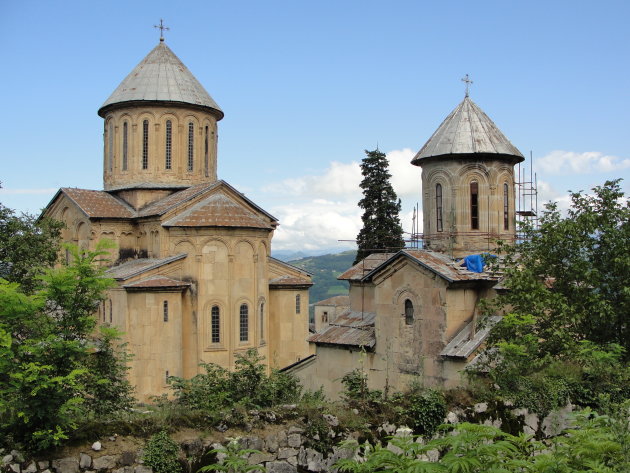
(128, 458)
(30, 468)
(294, 440)
(284, 453)
(280, 467)
(143, 469)
(43, 465)
(260, 458)
(66, 465)
(14, 467)
(106, 462)
(85, 461)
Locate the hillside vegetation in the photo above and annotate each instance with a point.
(325, 269)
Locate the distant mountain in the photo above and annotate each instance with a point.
(292, 255)
(325, 269)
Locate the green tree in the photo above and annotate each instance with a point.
(381, 224)
(27, 247)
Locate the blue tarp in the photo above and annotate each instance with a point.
(476, 263)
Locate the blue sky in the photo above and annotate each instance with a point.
(307, 86)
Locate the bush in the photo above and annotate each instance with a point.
(422, 409)
(161, 453)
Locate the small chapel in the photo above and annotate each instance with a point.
(196, 282)
(412, 315)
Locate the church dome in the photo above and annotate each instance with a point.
(468, 132)
(161, 77)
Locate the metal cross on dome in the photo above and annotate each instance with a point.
(161, 28)
(468, 82)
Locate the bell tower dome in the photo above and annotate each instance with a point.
(160, 130)
(467, 183)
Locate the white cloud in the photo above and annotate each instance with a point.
(339, 179)
(405, 177)
(563, 162)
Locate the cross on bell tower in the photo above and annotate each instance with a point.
(467, 80)
(161, 27)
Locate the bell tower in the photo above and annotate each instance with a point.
(468, 186)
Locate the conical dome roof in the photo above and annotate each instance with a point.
(161, 77)
(467, 131)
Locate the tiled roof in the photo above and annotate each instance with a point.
(158, 282)
(218, 210)
(162, 77)
(349, 329)
(289, 280)
(138, 266)
(467, 131)
(463, 345)
(335, 301)
(97, 204)
(364, 266)
(162, 206)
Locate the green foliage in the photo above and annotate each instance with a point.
(420, 408)
(46, 370)
(28, 247)
(234, 459)
(596, 443)
(566, 334)
(247, 386)
(161, 453)
(381, 224)
(356, 392)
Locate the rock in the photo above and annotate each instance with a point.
(43, 465)
(260, 458)
(271, 443)
(31, 468)
(14, 467)
(85, 461)
(7, 459)
(284, 453)
(280, 467)
(520, 412)
(355, 412)
(46, 471)
(292, 461)
(531, 421)
(129, 458)
(332, 420)
(480, 407)
(282, 438)
(270, 416)
(252, 443)
(106, 462)
(248, 427)
(66, 465)
(142, 469)
(389, 429)
(17, 456)
(96, 446)
(314, 460)
(222, 427)
(394, 449)
(125, 469)
(403, 432)
(295, 430)
(433, 455)
(294, 440)
(451, 418)
(556, 421)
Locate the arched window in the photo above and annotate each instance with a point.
(215, 324)
(110, 146)
(168, 146)
(262, 321)
(145, 144)
(205, 152)
(244, 323)
(474, 205)
(191, 145)
(297, 303)
(408, 312)
(111, 312)
(506, 207)
(165, 310)
(125, 146)
(438, 207)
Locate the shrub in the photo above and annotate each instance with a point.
(161, 453)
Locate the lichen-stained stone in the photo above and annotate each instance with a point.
(66, 465)
(281, 467)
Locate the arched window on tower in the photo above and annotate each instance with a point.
(191, 145)
(145, 144)
(408, 312)
(125, 146)
(110, 146)
(262, 322)
(244, 323)
(215, 324)
(506, 207)
(165, 310)
(205, 153)
(297, 303)
(168, 146)
(474, 205)
(438, 207)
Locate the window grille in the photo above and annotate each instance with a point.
(215, 324)
(165, 310)
(205, 153)
(125, 146)
(191, 143)
(262, 320)
(474, 205)
(438, 207)
(244, 323)
(110, 147)
(297, 303)
(145, 144)
(168, 144)
(506, 207)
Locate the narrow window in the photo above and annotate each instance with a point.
(297, 304)
(215, 324)
(110, 147)
(325, 317)
(244, 323)
(111, 312)
(166, 376)
(145, 144)
(474, 205)
(408, 312)
(205, 153)
(125, 144)
(165, 311)
(506, 207)
(438, 207)
(191, 143)
(262, 321)
(168, 144)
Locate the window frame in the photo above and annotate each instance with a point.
(409, 312)
(125, 146)
(168, 145)
(506, 206)
(243, 323)
(474, 205)
(145, 144)
(215, 325)
(191, 146)
(439, 221)
(165, 311)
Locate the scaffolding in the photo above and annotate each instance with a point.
(527, 197)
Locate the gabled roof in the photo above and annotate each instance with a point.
(157, 283)
(96, 204)
(336, 301)
(161, 77)
(467, 131)
(363, 267)
(465, 343)
(138, 266)
(218, 210)
(438, 263)
(349, 329)
(289, 281)
(160, 207)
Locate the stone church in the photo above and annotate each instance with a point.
(192, 260)
(413, 313)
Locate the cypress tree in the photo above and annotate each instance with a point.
(381, 224)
